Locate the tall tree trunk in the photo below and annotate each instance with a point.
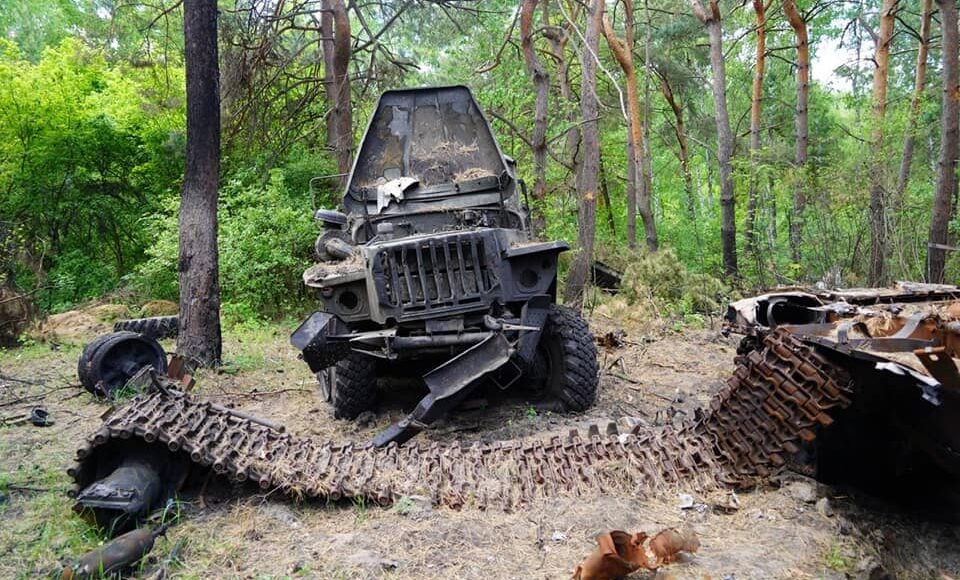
(683, 153)
(947, 167)
(329, 86)
(605, 198)
(756, 101)
(728, 225)
(646, 154)
(878, 204)
(199, 339)
(335, 29)
(799, 26)
(623, 52)
(558, 35)
(923, 47)
(589, 168)
(541, 87)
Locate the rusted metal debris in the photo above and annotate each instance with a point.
(774, 402)
(606, 277)
(120, 553)
(619, 553)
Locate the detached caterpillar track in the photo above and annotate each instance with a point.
(776, 399)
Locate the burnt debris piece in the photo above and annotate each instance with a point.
(619, 553)
(432, 262)
(606, 277)
(121, 553)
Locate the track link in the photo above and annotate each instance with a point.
(776, 399)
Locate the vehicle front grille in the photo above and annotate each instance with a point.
(436, 274)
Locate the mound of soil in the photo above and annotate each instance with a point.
(159, 308)
(73, 326)
(108, 312)
(16, 310)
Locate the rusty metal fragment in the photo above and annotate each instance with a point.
(901, 346)
(619, 553)
(120, 553)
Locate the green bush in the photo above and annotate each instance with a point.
(661, 276)
(265, 240)
(77, 276)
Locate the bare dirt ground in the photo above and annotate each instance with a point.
(790, 528)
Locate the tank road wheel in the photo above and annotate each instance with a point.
(107, 363)
(353, 385)
(158, 327)
(567, 359)
(83, 365)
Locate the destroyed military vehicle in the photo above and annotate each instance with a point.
(431, 265)
(900, 348)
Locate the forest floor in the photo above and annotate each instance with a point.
(791, 527)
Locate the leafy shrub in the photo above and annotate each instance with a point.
(75, 277)
(662, 277)
(266, 241)
(656, 287)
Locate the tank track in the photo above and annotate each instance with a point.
(776, 399)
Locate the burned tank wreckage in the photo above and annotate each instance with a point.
(432, 263)
(900, 437)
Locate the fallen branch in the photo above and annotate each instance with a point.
(22, 296)
(262, 393)
(623, 377)
(674, 368)
(26, 399)
(21, 381)
(16, 487)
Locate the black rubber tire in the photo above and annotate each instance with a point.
(354, 386)
(158, 327)
(571, 358)
(116, 358)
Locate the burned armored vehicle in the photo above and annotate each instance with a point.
(900, 347)
(431, 266)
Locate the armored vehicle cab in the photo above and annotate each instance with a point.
(431, 260)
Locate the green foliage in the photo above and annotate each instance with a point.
(662, 277)
(837, 559)
(265, 242)
(403, 506)
(80, 162)
(657, 291)
(92, 145)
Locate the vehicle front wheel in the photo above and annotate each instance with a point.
(351, 385)
(567, 357)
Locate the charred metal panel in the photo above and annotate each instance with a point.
(433, 136)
